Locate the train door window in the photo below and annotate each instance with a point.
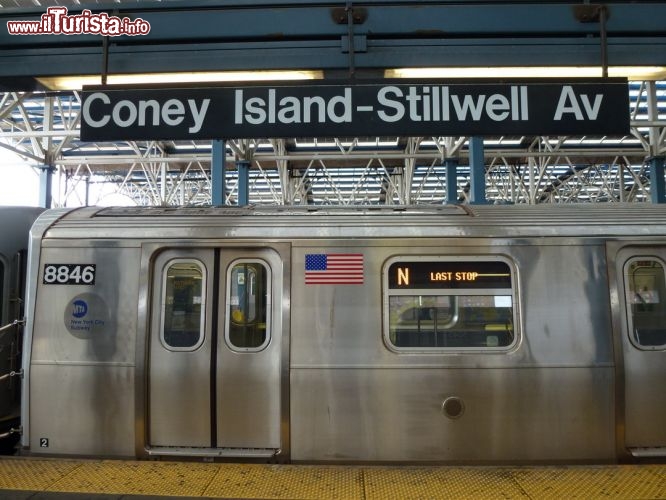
(645, 288)
(448, 303)
(183, 305)
(248, 304)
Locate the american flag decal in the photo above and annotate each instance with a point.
(334, 269)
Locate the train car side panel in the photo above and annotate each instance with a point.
(395, 414)
(489, 334)
(548, 393)
(83, 341)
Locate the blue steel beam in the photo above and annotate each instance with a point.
(328, 56)
(451, 166)
(657, 183)
(244, 35)
(478, 171)
(188, 22)
(45, 183)
(218, 172)
(243, 167)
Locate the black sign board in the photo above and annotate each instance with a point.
(387, 107)
(449, 274)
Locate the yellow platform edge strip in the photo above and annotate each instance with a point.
(332, 482)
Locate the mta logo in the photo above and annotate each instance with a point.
(80, 308)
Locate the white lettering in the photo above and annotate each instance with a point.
(198, 114)
(435, 104)
(426, 104)
(143, 110)
(271, 105)
(468, 106)
(131, 116)
(86, 110)
(514, 102)
(497, 107)
(256, 114)
(445, 104)
(568, 104)
(346, 102)
(308, 102)
(524, 113)
(413, 98)
(384, 100)
(238, 107)
(291, 110)
(173, 112)
(142, 113)
(592, 110)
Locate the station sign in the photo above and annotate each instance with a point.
(377, 108)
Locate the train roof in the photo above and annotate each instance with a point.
(620, 219)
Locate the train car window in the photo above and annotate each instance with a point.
(183, 305)
(448, 303)
(646, 301)
(248, 302)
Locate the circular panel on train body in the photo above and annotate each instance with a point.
(87, 316)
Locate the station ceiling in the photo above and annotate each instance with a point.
(243, 35)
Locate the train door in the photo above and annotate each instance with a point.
(642, 285)
(215, 353)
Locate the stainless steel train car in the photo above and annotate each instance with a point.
(466, 334)
(15, 225)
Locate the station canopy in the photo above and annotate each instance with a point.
(41, 117)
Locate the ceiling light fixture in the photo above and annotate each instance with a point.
(77, 82)
(630, 72)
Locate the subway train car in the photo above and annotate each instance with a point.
(450, 334)
(15, 225)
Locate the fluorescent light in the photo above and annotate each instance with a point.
(631, 72)
(77, 82)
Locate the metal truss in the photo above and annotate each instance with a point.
(43, 128)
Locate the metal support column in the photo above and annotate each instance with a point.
(653, 116)
(657, 184)
(218, 172)
(163, 183)
(451, 165)
(47, 169)
(45, 184)
(477, 171)
(243, 182)
(657, 188)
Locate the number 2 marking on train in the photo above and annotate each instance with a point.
(43, 442)
(69, 274)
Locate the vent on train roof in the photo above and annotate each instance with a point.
(172, 211)
(285, 210)
(363, 209)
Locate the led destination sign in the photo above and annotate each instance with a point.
(390, 107)
(451, 275)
